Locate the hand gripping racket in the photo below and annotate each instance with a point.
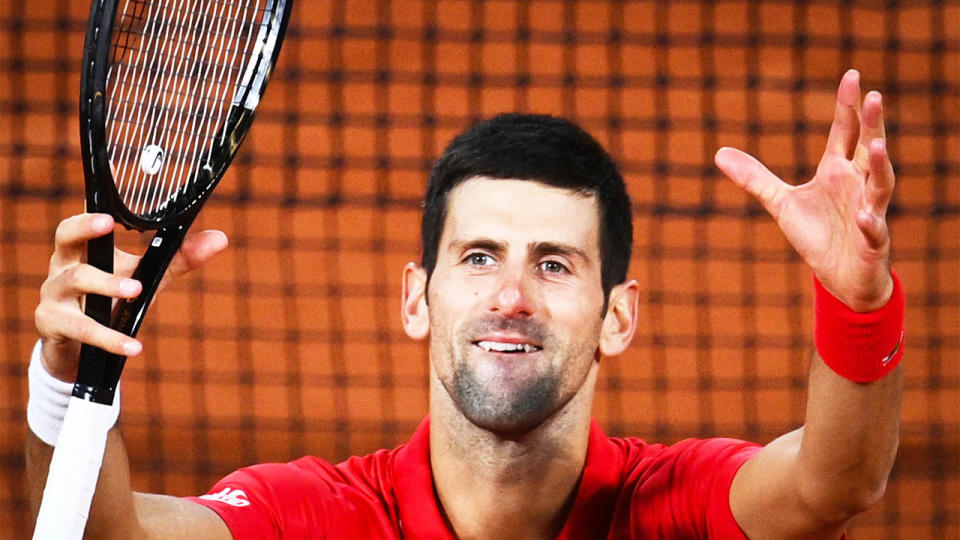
(168, 91)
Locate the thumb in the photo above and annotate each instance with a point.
(748, 173)
(196, 250)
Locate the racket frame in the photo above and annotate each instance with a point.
(99, 371)
(101, 189)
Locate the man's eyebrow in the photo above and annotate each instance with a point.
(538, 249)
(487, 244)
(555, 248)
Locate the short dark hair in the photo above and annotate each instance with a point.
(544, 149)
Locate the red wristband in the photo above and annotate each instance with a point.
(862, 347)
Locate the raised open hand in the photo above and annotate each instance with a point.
(837, 220)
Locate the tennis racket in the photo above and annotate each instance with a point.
(168, 91)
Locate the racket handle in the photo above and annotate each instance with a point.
(95, 369)
(100, 255)
(99, 370)
(74, 469)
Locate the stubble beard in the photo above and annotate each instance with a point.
(516, 410)
(505, 404)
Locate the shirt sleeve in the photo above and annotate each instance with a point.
(247, 500)
(683, 491)
(307, 498)
(704, 473)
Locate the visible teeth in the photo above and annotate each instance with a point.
(507, 347)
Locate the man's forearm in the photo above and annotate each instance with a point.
(849, 441)
(112, 512)
(811, 481)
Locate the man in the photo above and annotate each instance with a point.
(522, 290)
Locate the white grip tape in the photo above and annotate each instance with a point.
(74, 470)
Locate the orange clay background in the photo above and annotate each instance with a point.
(290, 342)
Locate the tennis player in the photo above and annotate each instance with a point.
(522, 292)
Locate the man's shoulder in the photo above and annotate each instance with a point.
(373, 470)
(705, 445)
(682, 487)
(637, 451)
(695, 460)
(307, 494)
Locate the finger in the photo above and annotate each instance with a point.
(124, 263)
(871, 127)
(72, 235)
(748, 173)
(75, 326)
(845, 129)
(874, 228)
(82, 279)
(881, 180)
(196, 250)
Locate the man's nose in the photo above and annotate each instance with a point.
(514, 296)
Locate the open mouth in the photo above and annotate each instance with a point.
(507, 348)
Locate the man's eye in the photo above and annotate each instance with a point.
(479, 259)
(553, 267)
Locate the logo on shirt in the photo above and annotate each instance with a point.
(233, 497)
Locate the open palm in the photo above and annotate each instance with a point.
(836, 221)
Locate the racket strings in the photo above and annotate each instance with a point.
(148, 109)
(178, 67)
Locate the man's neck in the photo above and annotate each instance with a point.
(490, 486)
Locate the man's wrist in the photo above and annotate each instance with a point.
(49, 398)
(862, 347)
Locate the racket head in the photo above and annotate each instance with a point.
(168, 92)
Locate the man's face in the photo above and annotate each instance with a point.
(515, 300)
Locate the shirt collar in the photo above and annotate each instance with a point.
(592, 509)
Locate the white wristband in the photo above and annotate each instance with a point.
(49, 397)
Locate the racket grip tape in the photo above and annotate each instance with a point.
(74, 470)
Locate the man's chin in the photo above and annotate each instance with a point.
(505, 412)
(506, 424)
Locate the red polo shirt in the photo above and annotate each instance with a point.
(629, 489)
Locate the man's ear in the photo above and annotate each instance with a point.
(413, 310)
(620, 321)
